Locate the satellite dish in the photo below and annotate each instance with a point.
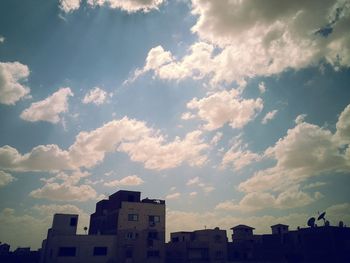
(85, 229)
(321, 216)
(311, 222)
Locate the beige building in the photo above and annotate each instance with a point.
(123, 228)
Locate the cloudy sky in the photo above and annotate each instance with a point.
(232, 111)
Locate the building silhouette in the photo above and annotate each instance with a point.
(126, 229)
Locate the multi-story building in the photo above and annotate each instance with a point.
(207, 245)
(123, 228)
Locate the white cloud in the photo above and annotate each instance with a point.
(193, 194)
(131, 180)
(5, 178)
(187, 116)
(276, 37)
(217, 137)
(129, 6)
(235, 45)
(343, 126)
(157, 155)
(269, 116)
(48, 109)
(238, 156)
(40, 158)
(12, 75)
(314, 185)
(306, 151)
(173, 196)
(193, 181)
(262, 87)
(225, 107)
(255, 201)
(196, 182)
(133, 137)
(67, 190)
(300, 118)
(69, 5)
(96, 95)
(2, 39)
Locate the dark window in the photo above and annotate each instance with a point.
(133, 217)
(154, 219)
(100, 251)
(175, 239)
(152, 253)
(152, 235)
(66, 252)
(128, 253)
(150, 243)
(73, 221)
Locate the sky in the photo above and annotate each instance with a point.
(234, 112)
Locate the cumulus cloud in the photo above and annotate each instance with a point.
(343, 126)
(225, 107)
(244, 39)
(269, 116)
(238, 156)
(2, 39)
(69, 5)
(48, 109)
(131, 180)
(129, 6)
(255, 201)
(96, 95)
(12, 76)
(157, 155)
(306, 151)
(288, 35)
(65, 190)
(5, 178)
(132, 137)
(40, 158)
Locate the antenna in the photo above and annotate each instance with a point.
(311, 222)
(322, 216)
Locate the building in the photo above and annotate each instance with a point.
(123, 228)
(313, 244)
(207, 245)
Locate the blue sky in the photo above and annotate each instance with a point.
(231, 111)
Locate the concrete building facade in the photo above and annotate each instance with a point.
(123, 228)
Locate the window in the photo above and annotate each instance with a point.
(73, 221)
(154, 219)
(128, 253)
(131, 235)
(152, 235)
(100, 251)
(152, 253)
(66, 252)
(133, 217)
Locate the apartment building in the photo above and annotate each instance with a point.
(123, 228)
